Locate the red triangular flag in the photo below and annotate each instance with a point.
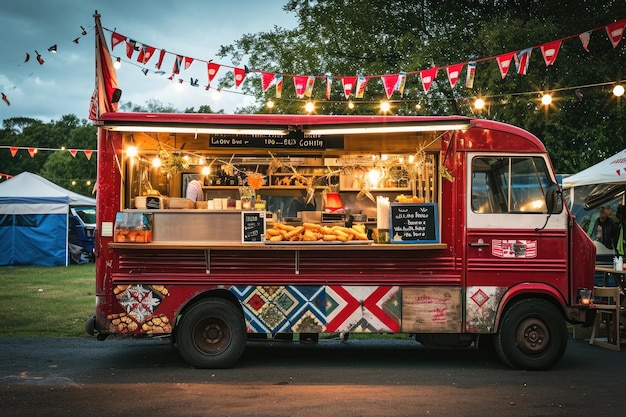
(73, 152)
(6, 99)
(88, 153)
(615, 32)
(161, 56)
(212, 68)
(454, 71)
(177, 62)
(32, 152)
(116, 38)
(348, 84)
(550, 51)
(266, 80)
(14, 150)
(584, 39)
(504, 63)
(130, 48)
(428, 76)
(240, 75)
(145, 54)
(39, 58)
(299, 82)
(188, 62)
(389, 82)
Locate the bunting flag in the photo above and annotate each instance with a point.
(27, 57)
(550, 51)
(88, 153)
(177, 62)
(106, 94)
(389, 82)
(32, 152)
(348, 84)
(522, 59)
(308, 91)
(130, 48)
(471, 72)
(299, 83)
(267, 78)
(401, 82)
(116, 39)
(504, 63)
(6, 99)
(13, 151)
(454, 72)
(212, 69)
(73, 152)
(428, 76)
(615, 32)
(361, 82)
(279, 85)
(584, 39)
(160, 61)
(145, 54)
(240, 75)
(39, 58)
(329, 86)
(188, 62)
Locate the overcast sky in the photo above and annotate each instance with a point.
(64, 83)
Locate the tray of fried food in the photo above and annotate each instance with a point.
(312, 233)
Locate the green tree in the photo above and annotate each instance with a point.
(368, 37)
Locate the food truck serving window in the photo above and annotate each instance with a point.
(509, 184)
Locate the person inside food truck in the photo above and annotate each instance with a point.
(604, 229)
(194, 191)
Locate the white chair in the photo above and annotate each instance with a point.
(608, 312)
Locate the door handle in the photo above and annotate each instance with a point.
(479, 244)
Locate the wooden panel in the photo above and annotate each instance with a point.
(431, 310)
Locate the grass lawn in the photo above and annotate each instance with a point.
(46, 301)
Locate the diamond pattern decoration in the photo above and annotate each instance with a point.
(479, 297)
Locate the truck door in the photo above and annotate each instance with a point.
(511, 239)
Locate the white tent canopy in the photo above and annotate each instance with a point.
(610, 171)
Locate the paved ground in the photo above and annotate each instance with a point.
(145, 377)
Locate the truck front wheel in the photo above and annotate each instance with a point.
(532, 335)
(211, 334)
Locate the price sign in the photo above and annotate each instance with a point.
(253, 226)
(413, 223)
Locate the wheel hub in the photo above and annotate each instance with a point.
(532, 336)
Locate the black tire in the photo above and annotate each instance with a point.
(532, 335)
(211, 334)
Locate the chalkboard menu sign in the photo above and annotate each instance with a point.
(413, 223)
(253, 226)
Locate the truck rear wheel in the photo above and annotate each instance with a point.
(211, 334)
(532, 335)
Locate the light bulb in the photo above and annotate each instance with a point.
(206, 170)
(479, 104)
(546, 99)
(618, 90)
(156, 162)
(270, 104)
(131, 151)
(117, 64)
(309, 107)
(385, 106)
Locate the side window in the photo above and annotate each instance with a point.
(509, 185)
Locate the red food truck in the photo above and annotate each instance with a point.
(451, 229)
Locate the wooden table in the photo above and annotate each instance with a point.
(618, 276)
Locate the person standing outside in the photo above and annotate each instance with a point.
(604, 229)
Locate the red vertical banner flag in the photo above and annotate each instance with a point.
(454, 72)
(212, 69)
(550, 51)
(348, 84)
(615, 31)
(504, 63)
(428, 76)
(329, 86)
(106, 95)
(177, 62)
(160, 61)
(299, 83)
(240, 75)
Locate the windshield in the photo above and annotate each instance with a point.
(86, 214)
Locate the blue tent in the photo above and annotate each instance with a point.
(34, 221)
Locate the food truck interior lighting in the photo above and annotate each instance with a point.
(131, 151)
(373, 177)
(354, 130)
(156, 162)
(194, 130)
(333, 203)
(206, 170)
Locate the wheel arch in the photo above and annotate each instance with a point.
(529, 290)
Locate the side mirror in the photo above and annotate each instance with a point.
(554, 199)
